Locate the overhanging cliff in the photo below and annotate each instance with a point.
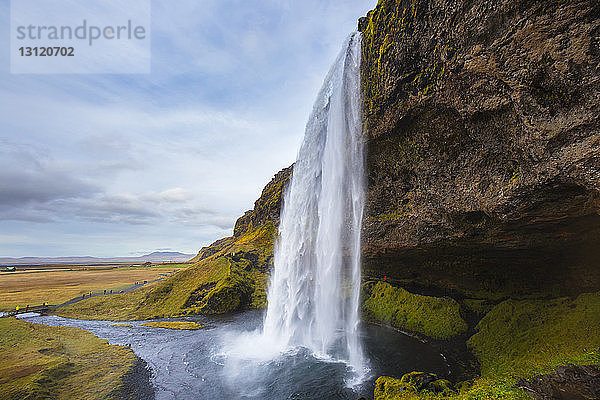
(483, 127)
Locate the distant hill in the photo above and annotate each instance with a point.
(157, 256)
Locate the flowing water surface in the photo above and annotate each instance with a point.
(200, 365)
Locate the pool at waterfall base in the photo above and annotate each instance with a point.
(201, 365)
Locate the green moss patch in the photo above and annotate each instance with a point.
(178, 325)
(229, 294)
(529, 337)
(438, 318)
(517, 339)
(388, 388)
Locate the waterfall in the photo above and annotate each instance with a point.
(313, 297)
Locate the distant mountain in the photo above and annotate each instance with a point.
(157, 256)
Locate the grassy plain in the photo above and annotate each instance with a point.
(55, 287)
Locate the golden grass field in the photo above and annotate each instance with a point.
(56, 287)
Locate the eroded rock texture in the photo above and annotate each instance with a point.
(483, 125)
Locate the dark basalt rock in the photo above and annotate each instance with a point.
(137, 383)
(483, 142)
(566, 383)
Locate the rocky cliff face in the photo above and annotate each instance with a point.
(268, 205)
(483, 126)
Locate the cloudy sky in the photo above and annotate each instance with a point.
(119, 165)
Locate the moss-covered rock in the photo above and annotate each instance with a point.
(484, 176)
(438, 318)
(478, 306)
(227, 295)
(268, 206)
(530, 337)
(412, 385)
(388, 388)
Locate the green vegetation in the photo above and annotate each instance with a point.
(529, 337)
(516, 339)
(387, 31)
(117, 307)
(178, 325)
(435, 317)
(410, 384)
(387, 388)
(43, 362)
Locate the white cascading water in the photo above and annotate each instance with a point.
(313, 297)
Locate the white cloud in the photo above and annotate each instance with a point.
(181, 152)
